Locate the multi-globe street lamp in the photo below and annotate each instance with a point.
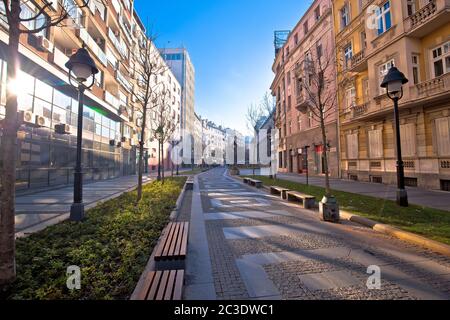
(81, 67)
(393, 83)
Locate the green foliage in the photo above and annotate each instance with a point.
(431, 223)
(112, 247)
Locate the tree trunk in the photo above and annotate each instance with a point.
(8, 151)
(159, 159)
(141, 155)
(162, 162)
(325, 155)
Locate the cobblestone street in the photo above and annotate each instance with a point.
(247, 244)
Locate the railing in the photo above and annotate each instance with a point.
(120, 45)
(95, 48)
(431, 87)
(423, 14)
(358, 58)
(60, 59)
(112, 100)
(359, 110)
(123, 81)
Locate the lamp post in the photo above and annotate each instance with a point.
(81, 67)
(307, 164)
(393, 82)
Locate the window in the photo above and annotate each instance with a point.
(441, 60)
(443, 136)
(376, 144)
(319, 51)
(296, 38)
(310, 122)
(348, 54)
(352, 146)
(299, 123)
(317, 13)
(384, 18)
(289, 102)
(345, 16)
(383, 70)
(365, 86)
(288, 78)
(408, 139)
(411, 7)
(363, 40)
(415, 68)
(350, 98)
(28, 10)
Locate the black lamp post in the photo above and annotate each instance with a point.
(81, 67)
(393, 82)
(307, 164)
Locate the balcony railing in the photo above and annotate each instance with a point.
(112, 100)
(431, 87)
(118, 43)
(95, 48)
(423, 14)
(358, 60)
(359, 110)
(123, 81)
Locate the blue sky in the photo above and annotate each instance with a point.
(231, 45)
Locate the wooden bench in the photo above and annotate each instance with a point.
(279, 191)
(307, 201)
(172, 248)
(162, 285)
(255, 183)
(190, 184)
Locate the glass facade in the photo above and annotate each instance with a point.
(46, 158)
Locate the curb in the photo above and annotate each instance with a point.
(413, 238)
(399, 234)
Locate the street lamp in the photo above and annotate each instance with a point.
(307, 164)
(81, 67)
(393, 82)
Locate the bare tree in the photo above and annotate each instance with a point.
(164, 125)
(148, 73)
(318, 74)
(268, 104)
(10, 12)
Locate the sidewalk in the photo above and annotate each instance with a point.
(37, 210)
(427, 198)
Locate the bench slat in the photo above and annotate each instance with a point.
(179, 241)
(178, 290)
(169, 239)
(146, 285)
(163, 285)
(170, 285)
(184, 240)
(174, 240)
(154, 287)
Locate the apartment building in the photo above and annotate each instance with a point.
(112, 33)
(414, 36)
(311, 39)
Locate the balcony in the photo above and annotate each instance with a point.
(301, 103)
(123, 81)
(431, 88)
(359, 61)
(93, 46)
(428, 18)
(119, 44)
(112, 100)
(359, 110)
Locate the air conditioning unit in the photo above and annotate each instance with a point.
(119, 144)
(62, 128)
(112, 142)
(28, 117)
(123, 139)
(44, 44)
(42, 121)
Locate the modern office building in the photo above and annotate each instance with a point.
(113, 34)
(312, 39)
(414, 36)
(180, 63)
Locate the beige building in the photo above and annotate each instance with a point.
(414, 36)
